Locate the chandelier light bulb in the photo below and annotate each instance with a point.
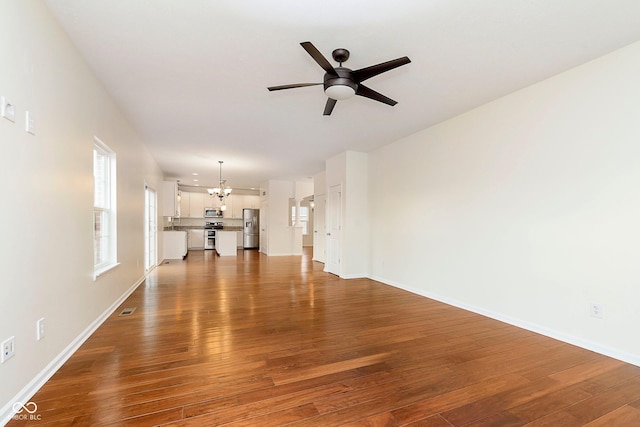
(221, 191)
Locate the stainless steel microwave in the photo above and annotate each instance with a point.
(212, 213)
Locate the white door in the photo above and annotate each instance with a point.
(320, 228)
(150, 229)
(264, 228)
(334, 230)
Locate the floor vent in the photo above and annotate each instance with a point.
(127, 311)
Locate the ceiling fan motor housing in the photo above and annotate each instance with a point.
(342, 86)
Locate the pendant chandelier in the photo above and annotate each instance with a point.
(221, 191)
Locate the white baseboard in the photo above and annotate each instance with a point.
(354, 276)
(561, 336)
(7, 412)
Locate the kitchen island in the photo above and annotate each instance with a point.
(226, 243)
(174, 244)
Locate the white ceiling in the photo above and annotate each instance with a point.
(192, 75)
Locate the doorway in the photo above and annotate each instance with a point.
(150, 229)
(334, 227)
(264, 228)
(319, 228)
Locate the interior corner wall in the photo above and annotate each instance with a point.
(525, 209)
(349, 169)
(320, 183)
(46, 183)
(303, 189)
(282, 239)
(320, 210)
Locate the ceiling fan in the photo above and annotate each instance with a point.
(341, 82)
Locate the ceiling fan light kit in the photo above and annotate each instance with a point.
(341, 87)
(341, 83)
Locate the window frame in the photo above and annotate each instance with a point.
(105, 210)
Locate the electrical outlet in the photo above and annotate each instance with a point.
(8, 349)
(7, 109)
(40, 329)
(596, 310)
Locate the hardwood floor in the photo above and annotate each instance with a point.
(266, 341)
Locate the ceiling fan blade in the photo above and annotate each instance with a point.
(318, 57)
(372, 94)
(368, 72)
(293, 86)
(328, 108)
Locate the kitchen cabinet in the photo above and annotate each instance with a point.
(239, 239)
(170, 199)
(192, 204)
(236, 203)
(174, 244)
(251, 202)
(184, 204)
(196, 205)
(211, 201)
(231, 202)
(196, 238)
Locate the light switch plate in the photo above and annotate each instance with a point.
(29, 123)
(7, 109)
(40, 329)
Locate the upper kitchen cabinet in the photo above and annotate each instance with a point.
(237, 202)
(251, 202)
(196, 205)
(185, 197)
(192, 204)
(170, 199)
(230, 201)
(211, 201)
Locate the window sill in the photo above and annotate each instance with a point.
(102, 271)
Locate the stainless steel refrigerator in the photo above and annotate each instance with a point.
(251, 228)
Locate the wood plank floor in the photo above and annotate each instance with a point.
(266, 341)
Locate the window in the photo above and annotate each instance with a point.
(303, 219)
(104, 208)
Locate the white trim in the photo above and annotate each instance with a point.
(24, 395)
(634, 359)
(354, 276)
(101, 271)
(112, 209)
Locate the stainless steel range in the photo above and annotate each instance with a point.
(210, 234)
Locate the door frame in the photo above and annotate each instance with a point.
(150, 228)
(333, 262)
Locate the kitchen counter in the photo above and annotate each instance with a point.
(183, 227)
(174, 244)
(194, 227)
(226, 242)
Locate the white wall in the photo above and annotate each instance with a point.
(46, 182)
(303, 189)
(281, 234)
(526, 209)
(349, 169)
(283, 239)
(320, 197)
